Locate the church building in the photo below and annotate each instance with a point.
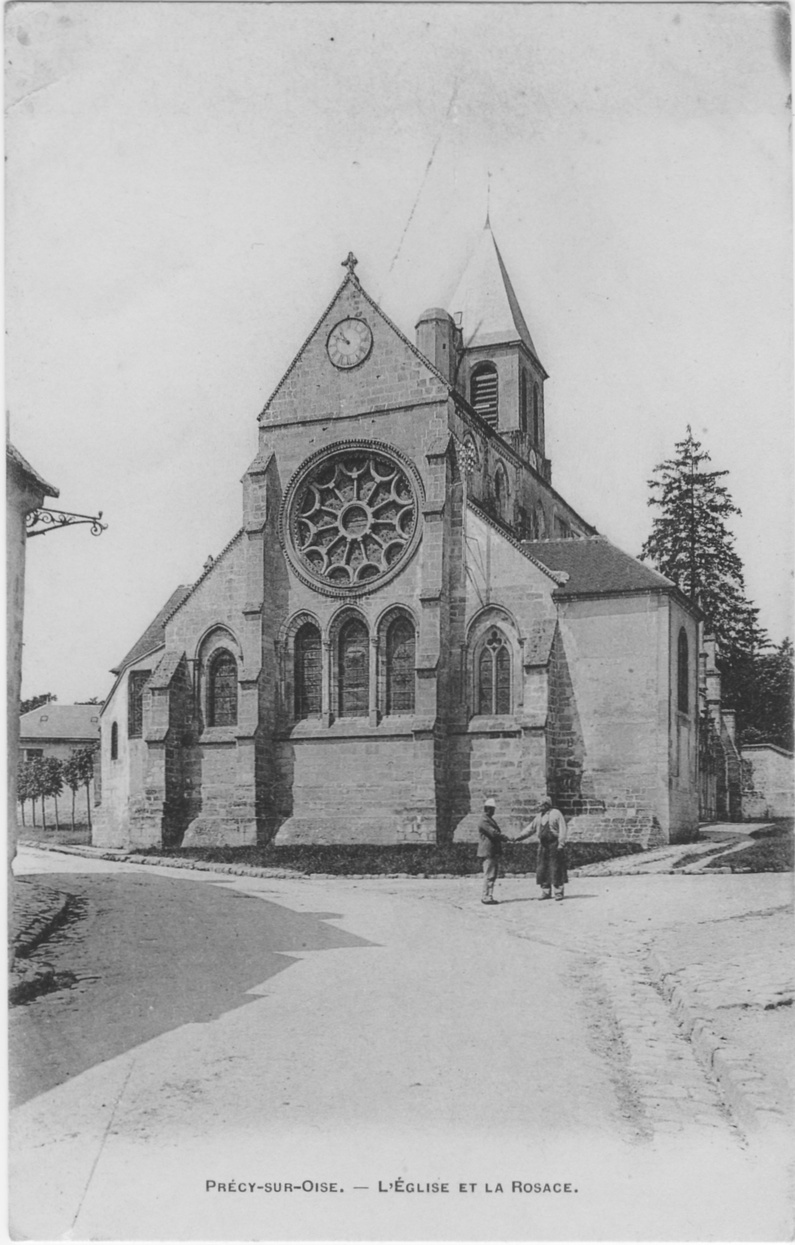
(410, 618)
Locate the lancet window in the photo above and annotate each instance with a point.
(493, 675)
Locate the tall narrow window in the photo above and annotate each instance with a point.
(536, 420)
(523, 403)
(306, 671)
(484, 392)
(400, 645)
(500, 488)
(354, 670)
(135, 703)
(683, 673)
(541, 522)
(222, 698)
(114, 742)
(494, 675)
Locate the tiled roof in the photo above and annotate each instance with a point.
(53, 721)
(594, 565)
(155, 633)
(22, 465)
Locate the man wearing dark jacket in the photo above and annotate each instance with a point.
(490, 849)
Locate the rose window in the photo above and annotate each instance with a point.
(352, 518)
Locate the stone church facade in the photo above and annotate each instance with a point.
(410, 618)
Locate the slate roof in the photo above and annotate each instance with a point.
(155, 634)
(53, 721)
(594, 566)
(490, 311)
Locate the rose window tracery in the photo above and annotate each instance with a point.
(352, 517)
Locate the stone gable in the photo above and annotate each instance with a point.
(393, 375)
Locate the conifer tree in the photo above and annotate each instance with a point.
(692, 544)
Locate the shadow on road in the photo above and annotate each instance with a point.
(150, 954)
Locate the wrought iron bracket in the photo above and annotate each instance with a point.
(41, 521)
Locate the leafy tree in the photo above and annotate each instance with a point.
(84, 762)
(23, 785)
(46, 698)
(761, 686)
(36, 784)
(73, 779)
(692, 544)
(52, 783)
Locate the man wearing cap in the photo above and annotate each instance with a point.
(550, 828)
(490, 849)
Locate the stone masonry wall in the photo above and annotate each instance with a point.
(607, 701)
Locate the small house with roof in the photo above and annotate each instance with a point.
(54, 730)
(410, 617)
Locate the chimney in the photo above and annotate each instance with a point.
(436, 340)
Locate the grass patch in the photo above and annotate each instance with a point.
(66, 835)
(771, 852)
(364, 859)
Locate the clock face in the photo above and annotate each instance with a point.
(349, 343)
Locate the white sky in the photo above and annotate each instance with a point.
(184, 180)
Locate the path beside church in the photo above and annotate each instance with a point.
(362, 1032)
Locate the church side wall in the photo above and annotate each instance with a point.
(682, 729)
(111, 822)
(503, 756)
(613, 706)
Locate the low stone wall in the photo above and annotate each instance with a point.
(768, 782)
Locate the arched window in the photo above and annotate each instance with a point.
(536, 420)
(307, 667)
(400, 646)
(483, 392)
(222, 690)
(500, 487)
(135, 703)
(683, 673)
(524, 383)
(541, 522)
(494, 675)
(354, 670)
(114, 742)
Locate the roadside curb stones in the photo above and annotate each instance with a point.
(743, 1088)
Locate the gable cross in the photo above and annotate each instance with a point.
(350, 263)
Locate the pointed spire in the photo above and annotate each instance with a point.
(490, 311)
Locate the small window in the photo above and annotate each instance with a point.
(32, 753)
(307, 672)
(484, 392)
(222, 697)
(114, 742)
(683, 673)
(400, 646)
(135, 703)
(562, 529)
(354, 670)
(494, 675)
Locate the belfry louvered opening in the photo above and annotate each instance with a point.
(484, 392)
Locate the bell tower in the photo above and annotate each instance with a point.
(499, 371)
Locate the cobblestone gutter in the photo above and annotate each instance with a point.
(731, 988)
(37, 911)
